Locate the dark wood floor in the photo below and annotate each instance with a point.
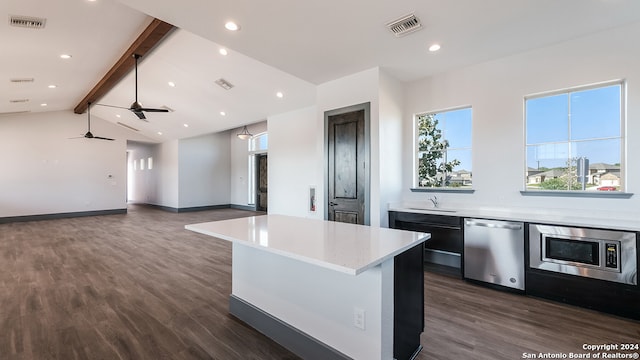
(139, 286)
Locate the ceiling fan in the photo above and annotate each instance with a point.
(89, 135)
(136, 107)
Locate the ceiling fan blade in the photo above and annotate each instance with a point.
(88, 134)
(153, 110)
(139, 114)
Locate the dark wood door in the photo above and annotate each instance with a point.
(347, 167)
(261, 182)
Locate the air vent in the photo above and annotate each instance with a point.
(224, 84)
(21, 80)
(127, 126)
(27, 22)
(17, 101)
(405, 25)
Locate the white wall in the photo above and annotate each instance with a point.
(390, 154)
(204, 170)
(496, 90)
(142, 183)
(45, 172)
(295, 162)
(296, 145)
(239, 163)
(166, 163)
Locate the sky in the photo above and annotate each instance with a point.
(582, 123)
(456, 128)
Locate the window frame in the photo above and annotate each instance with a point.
(416, 157)
(622, 137)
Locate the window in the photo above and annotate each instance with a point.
(258, 142)
(443, 144)
(574, 139)
(150, 163)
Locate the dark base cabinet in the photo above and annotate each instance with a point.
(610, 297)
(408, 303)
(587, 292)
(443, 252)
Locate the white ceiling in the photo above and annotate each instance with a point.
(283, 45)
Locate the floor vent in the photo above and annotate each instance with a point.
(27, 22)
(21, 80)
(127, 126)
(224, 84)
(17, 101)
(405, 25)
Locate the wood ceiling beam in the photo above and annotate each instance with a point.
(150, 37)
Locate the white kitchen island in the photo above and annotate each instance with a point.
(325, 289)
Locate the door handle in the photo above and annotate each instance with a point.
(492, 225)
(331, 203)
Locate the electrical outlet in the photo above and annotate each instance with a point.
(358, 318)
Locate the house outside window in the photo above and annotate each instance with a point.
(443, 149)
(575, 139)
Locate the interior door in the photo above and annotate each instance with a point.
(347, 167)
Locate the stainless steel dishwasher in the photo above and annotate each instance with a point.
(494, 252)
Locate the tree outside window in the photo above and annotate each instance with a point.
(444, 149)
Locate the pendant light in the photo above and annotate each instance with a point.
(245, 134)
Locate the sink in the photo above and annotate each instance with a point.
(433, 209)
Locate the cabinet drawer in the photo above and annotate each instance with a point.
(446, 231)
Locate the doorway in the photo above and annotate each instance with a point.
(261, 182)
(347, 164)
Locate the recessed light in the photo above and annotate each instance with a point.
(43, 104)
(231, 26)
(186, 125)
(65, 56)
(434, 47)
(223, 51)
(159, 132)
(52, 86)
(172, 84)
(223, 113)
(280, 94)
(118, 115)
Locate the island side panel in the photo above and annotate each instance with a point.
(320, 302)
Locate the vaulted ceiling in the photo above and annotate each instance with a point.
(287, 46)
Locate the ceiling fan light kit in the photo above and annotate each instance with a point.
(244, 134)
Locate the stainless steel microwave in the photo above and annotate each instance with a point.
(602, 254)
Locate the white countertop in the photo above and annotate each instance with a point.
(568, 219)
(347, 248)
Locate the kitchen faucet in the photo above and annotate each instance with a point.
(434, 200)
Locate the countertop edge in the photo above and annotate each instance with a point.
(308, 260)
(553, 219)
